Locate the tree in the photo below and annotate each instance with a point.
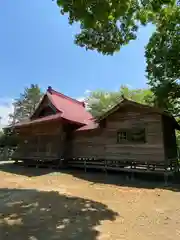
(8, 138)
(24, 107)
(26, 104)
(106, 25)
(98, 102)
(163, 60)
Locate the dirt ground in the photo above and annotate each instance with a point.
(39, 204)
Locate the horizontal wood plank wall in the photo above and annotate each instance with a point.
(152, 150)
(88, 144)
(41, 143)
(103, 143)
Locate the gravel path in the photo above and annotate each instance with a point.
(38, 205)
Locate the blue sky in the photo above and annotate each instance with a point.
(36, 46)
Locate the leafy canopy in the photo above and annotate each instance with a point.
(8, 138)
(26, 104)
(106, 25)
(163, 60)
(98, 102)
(24, 107)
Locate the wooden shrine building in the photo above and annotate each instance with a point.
(61, 130)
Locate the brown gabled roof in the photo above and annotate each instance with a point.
(126, 102)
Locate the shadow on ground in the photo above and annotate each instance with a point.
(11, 167)
(124, 179)
(39, 215)
(94, 176)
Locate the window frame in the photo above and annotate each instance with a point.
(144, 135)
(122, 132)
(129, 136)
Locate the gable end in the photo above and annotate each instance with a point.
(45, 108)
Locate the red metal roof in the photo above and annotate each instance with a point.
(90, 126)
(40, 120)
(74, 111)
(71, 109)
(67, 108)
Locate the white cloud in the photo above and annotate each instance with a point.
(6, 107)
(82, 98)
(87, 92)
(128, 85)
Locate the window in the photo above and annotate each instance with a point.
(134, 135)
(138, 135)
(122, 136)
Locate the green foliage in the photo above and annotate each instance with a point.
(25, 105)
(100, 101)
(178, 139)
(163, 59)
(106, 25)
(8, 138)
(1, 133)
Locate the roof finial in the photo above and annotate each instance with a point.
(83, 103)
(49, 89)
(123, 98)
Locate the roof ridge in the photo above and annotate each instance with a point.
(52, 91)
(125, 101)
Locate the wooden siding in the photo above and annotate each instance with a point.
(41, 142)
(88, 144)
(103, 144)
(169, 135)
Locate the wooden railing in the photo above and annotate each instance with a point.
(126, 166)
